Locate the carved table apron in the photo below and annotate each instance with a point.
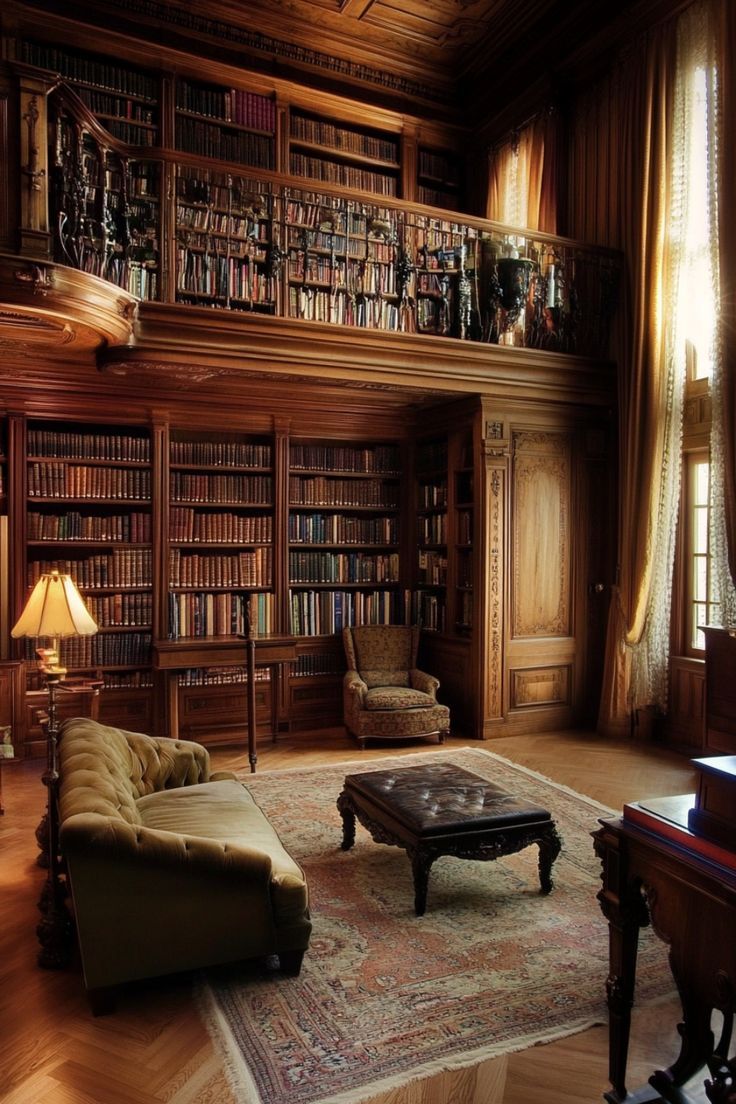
(440, 809)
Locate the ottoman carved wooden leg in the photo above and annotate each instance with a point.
(421, 863)
(550, 846)
(347, 813)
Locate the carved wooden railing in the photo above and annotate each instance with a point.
(98, 205)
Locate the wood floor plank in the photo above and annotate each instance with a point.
(155, 1049)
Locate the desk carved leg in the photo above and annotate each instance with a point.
(698, 1043)
(625, 909)
(549, 848)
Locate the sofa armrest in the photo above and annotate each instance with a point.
(149, 902)
(167, 764)
(420, 680)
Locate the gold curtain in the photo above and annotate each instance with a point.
(523, 186)
(618, 196)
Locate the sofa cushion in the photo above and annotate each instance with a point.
(397, 697)
(225, 811)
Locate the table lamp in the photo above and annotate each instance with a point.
(54, 610)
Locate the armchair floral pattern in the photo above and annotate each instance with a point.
(385, 696)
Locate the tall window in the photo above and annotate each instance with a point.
(701, 608)
(695, 247)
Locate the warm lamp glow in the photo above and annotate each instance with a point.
(55, 609)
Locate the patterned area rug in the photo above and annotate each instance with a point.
(385, 997)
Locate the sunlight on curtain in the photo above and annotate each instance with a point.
(699, 264)
(523, 176)
(512, 174)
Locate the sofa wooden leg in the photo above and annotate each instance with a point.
(102, 1001)
(443, 735)
(291, 962)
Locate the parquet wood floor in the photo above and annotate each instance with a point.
(154, 1049)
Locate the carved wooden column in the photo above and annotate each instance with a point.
(166, 687)
(409, 160)
(34, 233)
(491, 565)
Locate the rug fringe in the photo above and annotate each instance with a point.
(472, 1058)
(237, 1073)
(245, 1092)
(379, 764)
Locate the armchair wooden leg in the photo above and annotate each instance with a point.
(441, 736)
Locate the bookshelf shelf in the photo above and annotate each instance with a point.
(331, 153)
(226, 123)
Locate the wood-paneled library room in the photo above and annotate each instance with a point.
(367, 552)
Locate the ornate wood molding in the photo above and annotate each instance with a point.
(190, 339)
(54, 309)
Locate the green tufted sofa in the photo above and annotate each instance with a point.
(171, 868)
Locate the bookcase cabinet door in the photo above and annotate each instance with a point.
(214, 715)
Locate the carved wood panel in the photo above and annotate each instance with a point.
(540, 686)
(686, 713)
(541, 549)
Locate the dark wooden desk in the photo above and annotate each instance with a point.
(174, 656)
(690, 900)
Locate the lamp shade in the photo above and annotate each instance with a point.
(55, 608)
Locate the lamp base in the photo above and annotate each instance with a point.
(55, 929)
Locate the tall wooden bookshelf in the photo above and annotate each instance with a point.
(439, 178)
(360, 158)
(88, 513)
(220, 576)
(220, 539)
(341, 264)
(225, 124)
(125, 98)
(224, 242)
(430, 597)
(344, 510)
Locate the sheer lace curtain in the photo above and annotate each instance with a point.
(631, 145)
(718, 58)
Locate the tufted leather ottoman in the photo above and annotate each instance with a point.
(441, 809)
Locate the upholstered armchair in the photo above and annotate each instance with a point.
(385, 696)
